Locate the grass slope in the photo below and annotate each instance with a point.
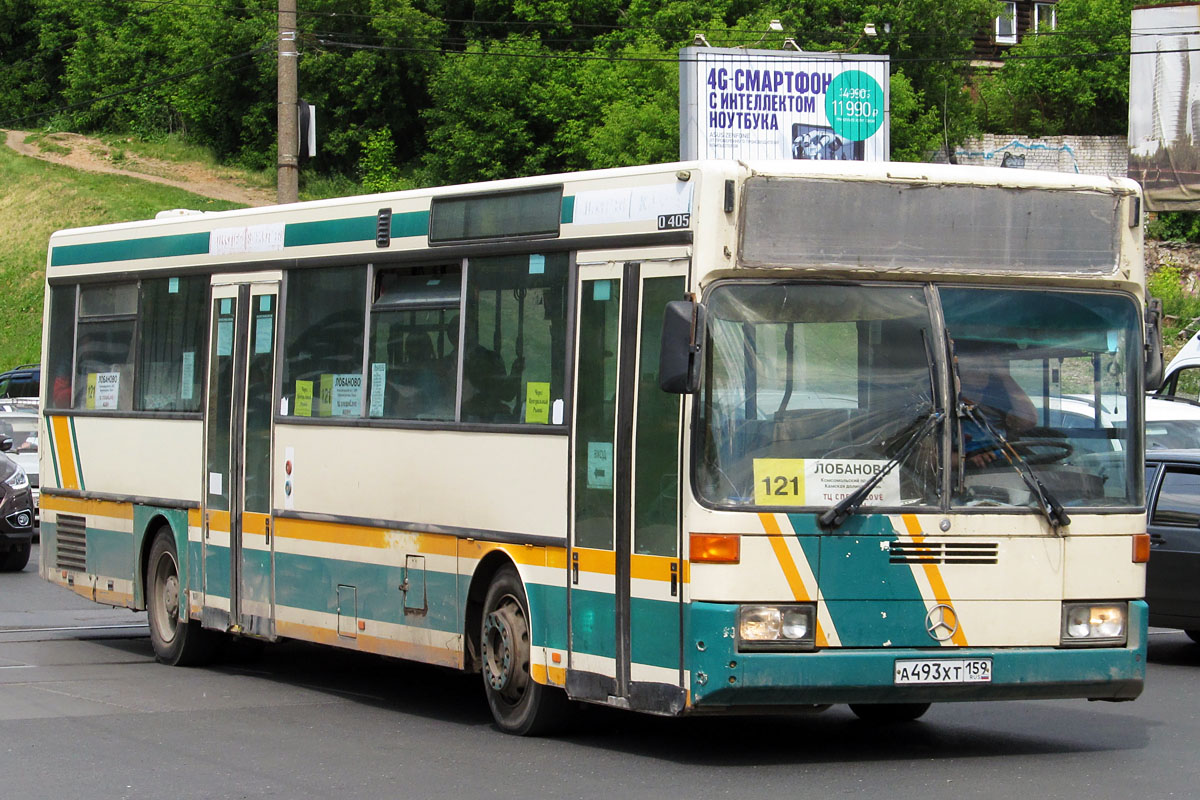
(36, 199)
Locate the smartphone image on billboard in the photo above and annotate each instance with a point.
(820, 143)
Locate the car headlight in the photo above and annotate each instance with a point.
(1094, 623)
(16, 478)
(762, 627)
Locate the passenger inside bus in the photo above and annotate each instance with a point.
(986, 384)
(488, 388)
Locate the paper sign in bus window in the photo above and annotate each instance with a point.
(187, 372)
(224, 337)
(378, 384)
(600, 465)
(304, 398)
(264, 330)
(820, 482)
(107, 389)
(346, 395)
(325, 398)
(537, 402)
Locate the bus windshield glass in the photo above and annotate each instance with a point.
(810, 389)
(1053, 374)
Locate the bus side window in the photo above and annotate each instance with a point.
(104, 347)
(514, 364)
(413, 360)
(323, 341)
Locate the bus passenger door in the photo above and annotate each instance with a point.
(237, 538)
(625, 586)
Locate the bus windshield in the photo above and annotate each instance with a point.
(810, 389)
(1054, 374)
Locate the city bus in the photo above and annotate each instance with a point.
(693, 438)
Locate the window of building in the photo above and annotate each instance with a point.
(1006, 24)
(514, 341)
(170, 359)
(324, 323)
(1045, 17)
(413, 352)
(104, 347)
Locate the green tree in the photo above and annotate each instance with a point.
(1074, 80)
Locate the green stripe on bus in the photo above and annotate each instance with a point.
(183, 244)
(568, 210)
(410, 223)
(353, 229)
(329, 231)
(53, 452)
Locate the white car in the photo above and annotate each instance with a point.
(21, 425)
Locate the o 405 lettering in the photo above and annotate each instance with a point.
(670, 222)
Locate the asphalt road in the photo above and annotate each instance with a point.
(85, 712)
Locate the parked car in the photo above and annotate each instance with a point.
(16, 513)
(1173, 508)
(20, 424)
(22, 381)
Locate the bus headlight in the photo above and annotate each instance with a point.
(1093, 623)
(763, 627)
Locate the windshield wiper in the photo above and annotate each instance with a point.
(848, 505)
(1049, 505)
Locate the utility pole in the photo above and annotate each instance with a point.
(288, 166)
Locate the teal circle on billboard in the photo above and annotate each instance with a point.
(854, 105)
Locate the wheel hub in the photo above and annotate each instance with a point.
(504, 636)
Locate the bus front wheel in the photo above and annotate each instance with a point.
(889, 712)
(519, 704)
(177, 640)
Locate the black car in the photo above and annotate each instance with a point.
(16, 513)
(22, 381)
(1173, 505)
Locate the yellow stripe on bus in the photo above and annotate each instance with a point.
(361, 536)
(934, 575)
(87, 507)
(641, 567)
(64, 452)
(368, 643)
(788, 565)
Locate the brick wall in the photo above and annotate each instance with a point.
(1086, 155)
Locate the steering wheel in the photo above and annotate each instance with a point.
(1043, 446)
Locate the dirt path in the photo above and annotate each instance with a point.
(93, 155)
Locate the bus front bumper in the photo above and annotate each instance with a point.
(723, 678)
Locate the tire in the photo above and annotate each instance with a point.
(15, 560)
(884, 713)
(519, 704)
(1194, 635)
(178, 641)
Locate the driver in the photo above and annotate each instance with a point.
(985, 383)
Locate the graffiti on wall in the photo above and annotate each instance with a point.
(1014, 155)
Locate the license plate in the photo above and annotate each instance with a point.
(943, 670)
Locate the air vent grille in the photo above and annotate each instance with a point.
(71, 542)
(951, 552)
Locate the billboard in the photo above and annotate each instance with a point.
(754, 104)
(1164, 106)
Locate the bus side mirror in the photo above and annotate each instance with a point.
(680, 359)
(1154, 349)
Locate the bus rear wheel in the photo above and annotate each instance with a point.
(519, 704)
(889, 712)
(177, 640)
